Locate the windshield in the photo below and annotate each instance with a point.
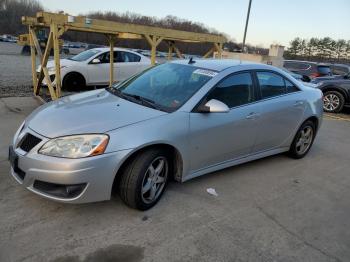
(84, 55)
(167, 86)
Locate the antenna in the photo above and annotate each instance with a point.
(191, 61)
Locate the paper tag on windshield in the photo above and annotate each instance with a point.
(205, 72)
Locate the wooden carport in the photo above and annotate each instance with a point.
(60, 23)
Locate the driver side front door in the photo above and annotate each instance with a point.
(219, 137)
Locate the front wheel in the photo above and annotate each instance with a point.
(74, 82)
(144, 179)
(303, 140)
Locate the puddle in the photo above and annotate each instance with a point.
(113, 253)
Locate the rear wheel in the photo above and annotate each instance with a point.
(74, 81)
(303, 140)
(333, 101)
(144, 179)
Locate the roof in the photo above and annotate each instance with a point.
(102, 49)
(213, 64)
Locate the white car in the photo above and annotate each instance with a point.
(91, 67)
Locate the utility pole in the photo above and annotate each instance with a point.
(246, 25)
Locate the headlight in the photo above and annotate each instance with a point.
(75, 146)
(52, 69)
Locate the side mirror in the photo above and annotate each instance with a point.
(214, 106)
(306, 79)
(96, 61)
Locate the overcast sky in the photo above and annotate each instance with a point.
(271, 21)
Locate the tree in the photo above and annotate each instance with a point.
(11, 12)
(340, 48)
(294, 48)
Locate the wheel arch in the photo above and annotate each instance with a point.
(175, 156)
(313, 119)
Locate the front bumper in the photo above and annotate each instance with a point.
(95, 175)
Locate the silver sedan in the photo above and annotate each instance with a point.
(178, 120)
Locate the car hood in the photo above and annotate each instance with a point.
(63, 62)
(89, 112)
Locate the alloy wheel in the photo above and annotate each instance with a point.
(331, 102)
(154, 180)
(305, 140)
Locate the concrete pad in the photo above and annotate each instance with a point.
(273, 209)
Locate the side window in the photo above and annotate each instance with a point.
(338, 70)
(104, 58)
(234, 90)
(118, 57)
(132, 57)
(270, 84)
(291, 87)
(124, 57)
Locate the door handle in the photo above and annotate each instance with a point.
(298, 103)
(252, 115)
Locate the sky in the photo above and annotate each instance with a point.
(271, 21)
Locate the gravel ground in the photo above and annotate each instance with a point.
(15, 73)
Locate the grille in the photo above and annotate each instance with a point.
(28, 142)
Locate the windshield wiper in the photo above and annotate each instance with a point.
(143, 100)
(135, 98)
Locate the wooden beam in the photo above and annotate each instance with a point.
(56, 53)
(84, 24)
(179, 55)
(207, 54)
(154, 41)
(33, 60)
(43, 70)
(218, 47)
(170, 51)
(111, 40)
(153, 50)
(36, 43)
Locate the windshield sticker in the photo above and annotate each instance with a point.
(205, 72)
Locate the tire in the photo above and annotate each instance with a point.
(74, 81)
(302, 142)
(333, 102)
(138, 182)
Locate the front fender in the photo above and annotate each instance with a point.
(171, 129)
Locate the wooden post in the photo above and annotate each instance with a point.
(218, 47)
(111, 59)
(179, 55)
(154, 42)
(56, 52)
(44, 58)
(33, 60)
(171, 50)
(153, 50)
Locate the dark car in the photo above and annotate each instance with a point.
(336, 92)
(309, 69)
